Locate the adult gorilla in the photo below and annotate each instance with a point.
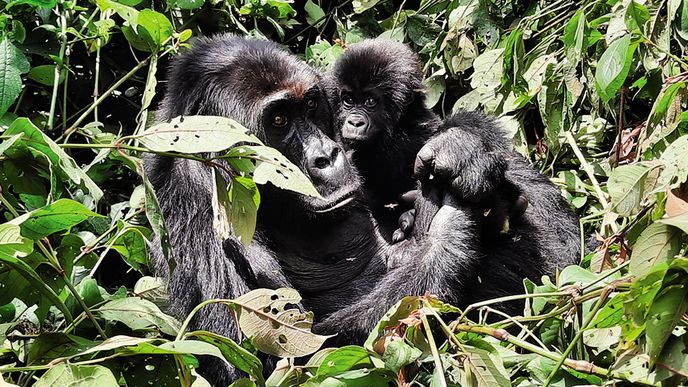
(329, 249)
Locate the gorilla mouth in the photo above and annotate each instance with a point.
(355, 135)
(338, 201)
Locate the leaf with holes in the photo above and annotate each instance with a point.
(274, 329)
(272, 166)
(196, 134)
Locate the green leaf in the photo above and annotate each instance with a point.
(12, 64)
(679, 221)
(156, 26)
(77, 376)
(138, 314)
(233, 353)
(611, 313)
(61, 215)
(628, 185)
(46, 4)
(243, 208)
(488, 67)
(486, 371)
(60, 162)
(129, 14)
(398, 354)
(196, 134)
(636, 16)
(656, 244)
(574, 37)
(613, 66)
(675, 162)
(275, 168)
(44, 74)
(314, 14)
(344, 359)
(402, 309)
(186, 4)
(666, 311)
(361, 6)
(274, 329)
(49, 346)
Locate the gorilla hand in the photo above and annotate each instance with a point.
(407, 219)
(463, 163)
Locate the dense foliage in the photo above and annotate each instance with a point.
(592, 91)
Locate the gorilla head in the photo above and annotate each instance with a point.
(377, 81)
(278, 98)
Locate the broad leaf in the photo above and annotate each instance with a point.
(77, 376)
(138, 314)
(658, 243)
(60, 162)
(613, 66)
(12, 64)
(58, 216)
(196, 134)
(274, 329)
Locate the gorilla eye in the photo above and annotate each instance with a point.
(311, 103)
(370, 102)
(279, 121)
(348, 101)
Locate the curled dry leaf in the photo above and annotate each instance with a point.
(274, 321)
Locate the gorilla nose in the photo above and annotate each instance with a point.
(356, 121)
(322, 156)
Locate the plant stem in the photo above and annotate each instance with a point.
(439, 368)
(572, 344)
(187, 321)
(105, 94)
(510, 298)
(58, 66)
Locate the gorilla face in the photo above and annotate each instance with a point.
(376, 80)
(280, 99)
(298, 124)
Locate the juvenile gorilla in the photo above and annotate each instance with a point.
(382, 118)
(329, 249)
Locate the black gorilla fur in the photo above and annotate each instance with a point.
(382, 117)
(329, 249)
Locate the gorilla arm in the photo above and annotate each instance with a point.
(206, 267)
(440, 258)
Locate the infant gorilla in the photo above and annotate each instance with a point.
(394, 137)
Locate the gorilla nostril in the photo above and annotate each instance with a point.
(321, 162)
(335, 153)
(356, 123)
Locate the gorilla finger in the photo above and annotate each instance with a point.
(407, 220)
(520, 206)
(409, 198)
(398, 236)
(422, 168)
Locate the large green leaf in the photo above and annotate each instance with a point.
(574, 37)
(12, 64)
(666, 311)
(60, 162)
(656, 244)
(196, 134)
(628, 185)
(613, 66)
(272, 166)
(58, 216)
(138, 314)
(233, 353)
(77, 376)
